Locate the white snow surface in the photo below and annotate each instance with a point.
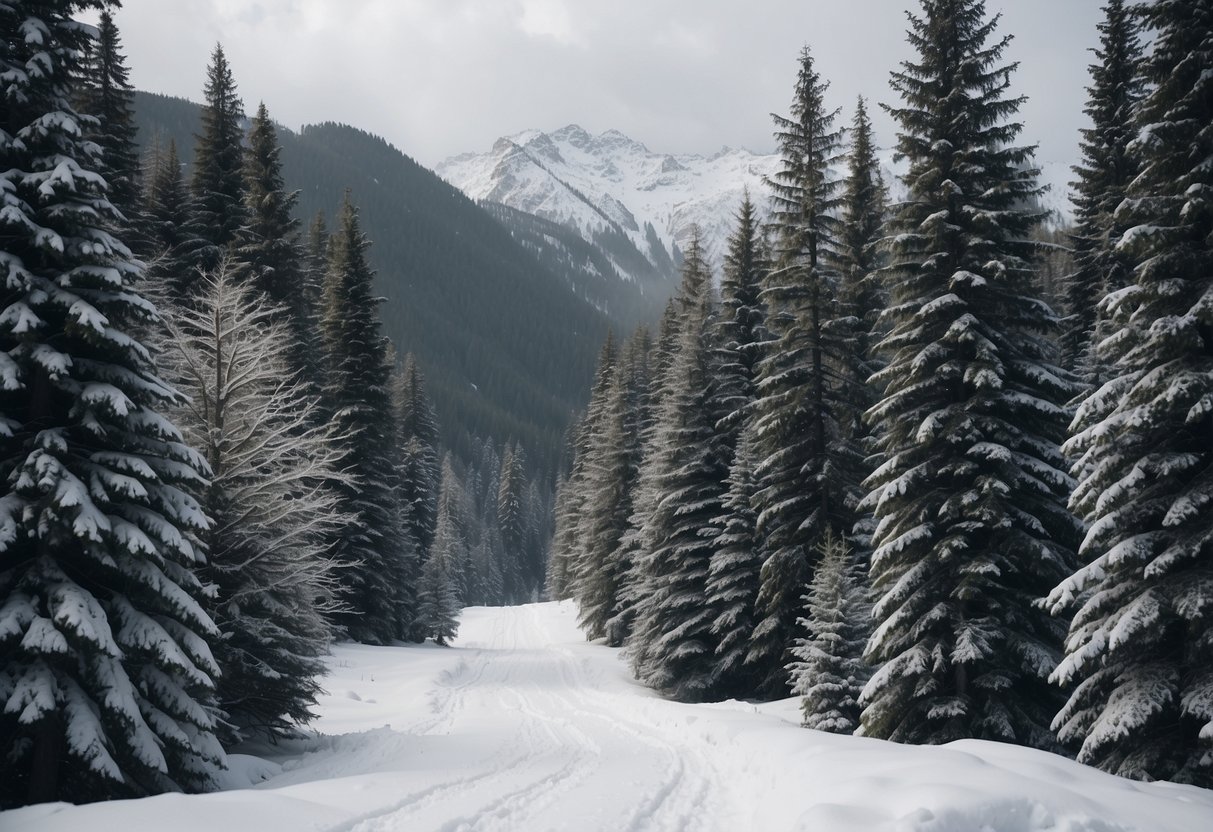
(593, 183)
(523, 725)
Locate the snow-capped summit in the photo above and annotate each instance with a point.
(614, 183)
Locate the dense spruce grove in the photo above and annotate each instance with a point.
(869, 466)
(880, 472)
(214, 463)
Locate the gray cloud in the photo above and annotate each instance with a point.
(438, 77)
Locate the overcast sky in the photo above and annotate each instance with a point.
(440, 77)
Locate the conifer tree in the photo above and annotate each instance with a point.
(374, 547)
(271, 503)
(829, 671)
(735, 572)
(520, 576)
(971, 527)
(267, 249)
(217, 211)
(605, 510)
(108, 96)
(1103, 180)
(557, 585)
(568, 543)
(673, 648)
(420, 471)
(165, 241)
(861, 297)
(106, 674)
(1139, 657)
(437, 600)
(809, 467)
(741, 325)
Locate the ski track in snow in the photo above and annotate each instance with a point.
(524, 726)
(566, 741)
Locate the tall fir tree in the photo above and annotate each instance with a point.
(828, 671)
(1139, 657)
(374, 547)
(971, 526)
(108, 96)
(1102, 183)
(672, 648)
(606, 508)
(521, 576)
(808, 471)
(217, 209)
(267, 249)
(106, 673)
(419, 440)
(166, 243)
(741, 338)
(861, 296)
(735, 573)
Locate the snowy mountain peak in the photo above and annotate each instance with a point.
(613, 184)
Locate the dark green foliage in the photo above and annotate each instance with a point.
(267, 250)
(1103, 180)
(217, 212)
(971, 527)
(106, 675)
(420, 471)
(522, 575)
(1140, 650)
(808, 468)
(165, 241)
(107, 96)
(861, 297)
(373, 547)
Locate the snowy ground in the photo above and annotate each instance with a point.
(525, 726)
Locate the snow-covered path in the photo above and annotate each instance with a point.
(525, 726)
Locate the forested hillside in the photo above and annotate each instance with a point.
(507, 348)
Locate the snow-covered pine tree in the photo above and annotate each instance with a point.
(217, 208)
(437, 601)
(861, 297)
(271, 503)
(605, 509)
(106, 673)
(735, 572)
(828, 670)
(568, 547)
(374, 547)
(809, 466)
(439, 594)
(741, 336)
(267, 250)
(741, 324)
(419, 440)
(672, 648)
(108, 96)
(556, 583)
(1102, 183)
(1139, 656)
(971, 526)
(520, 577)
